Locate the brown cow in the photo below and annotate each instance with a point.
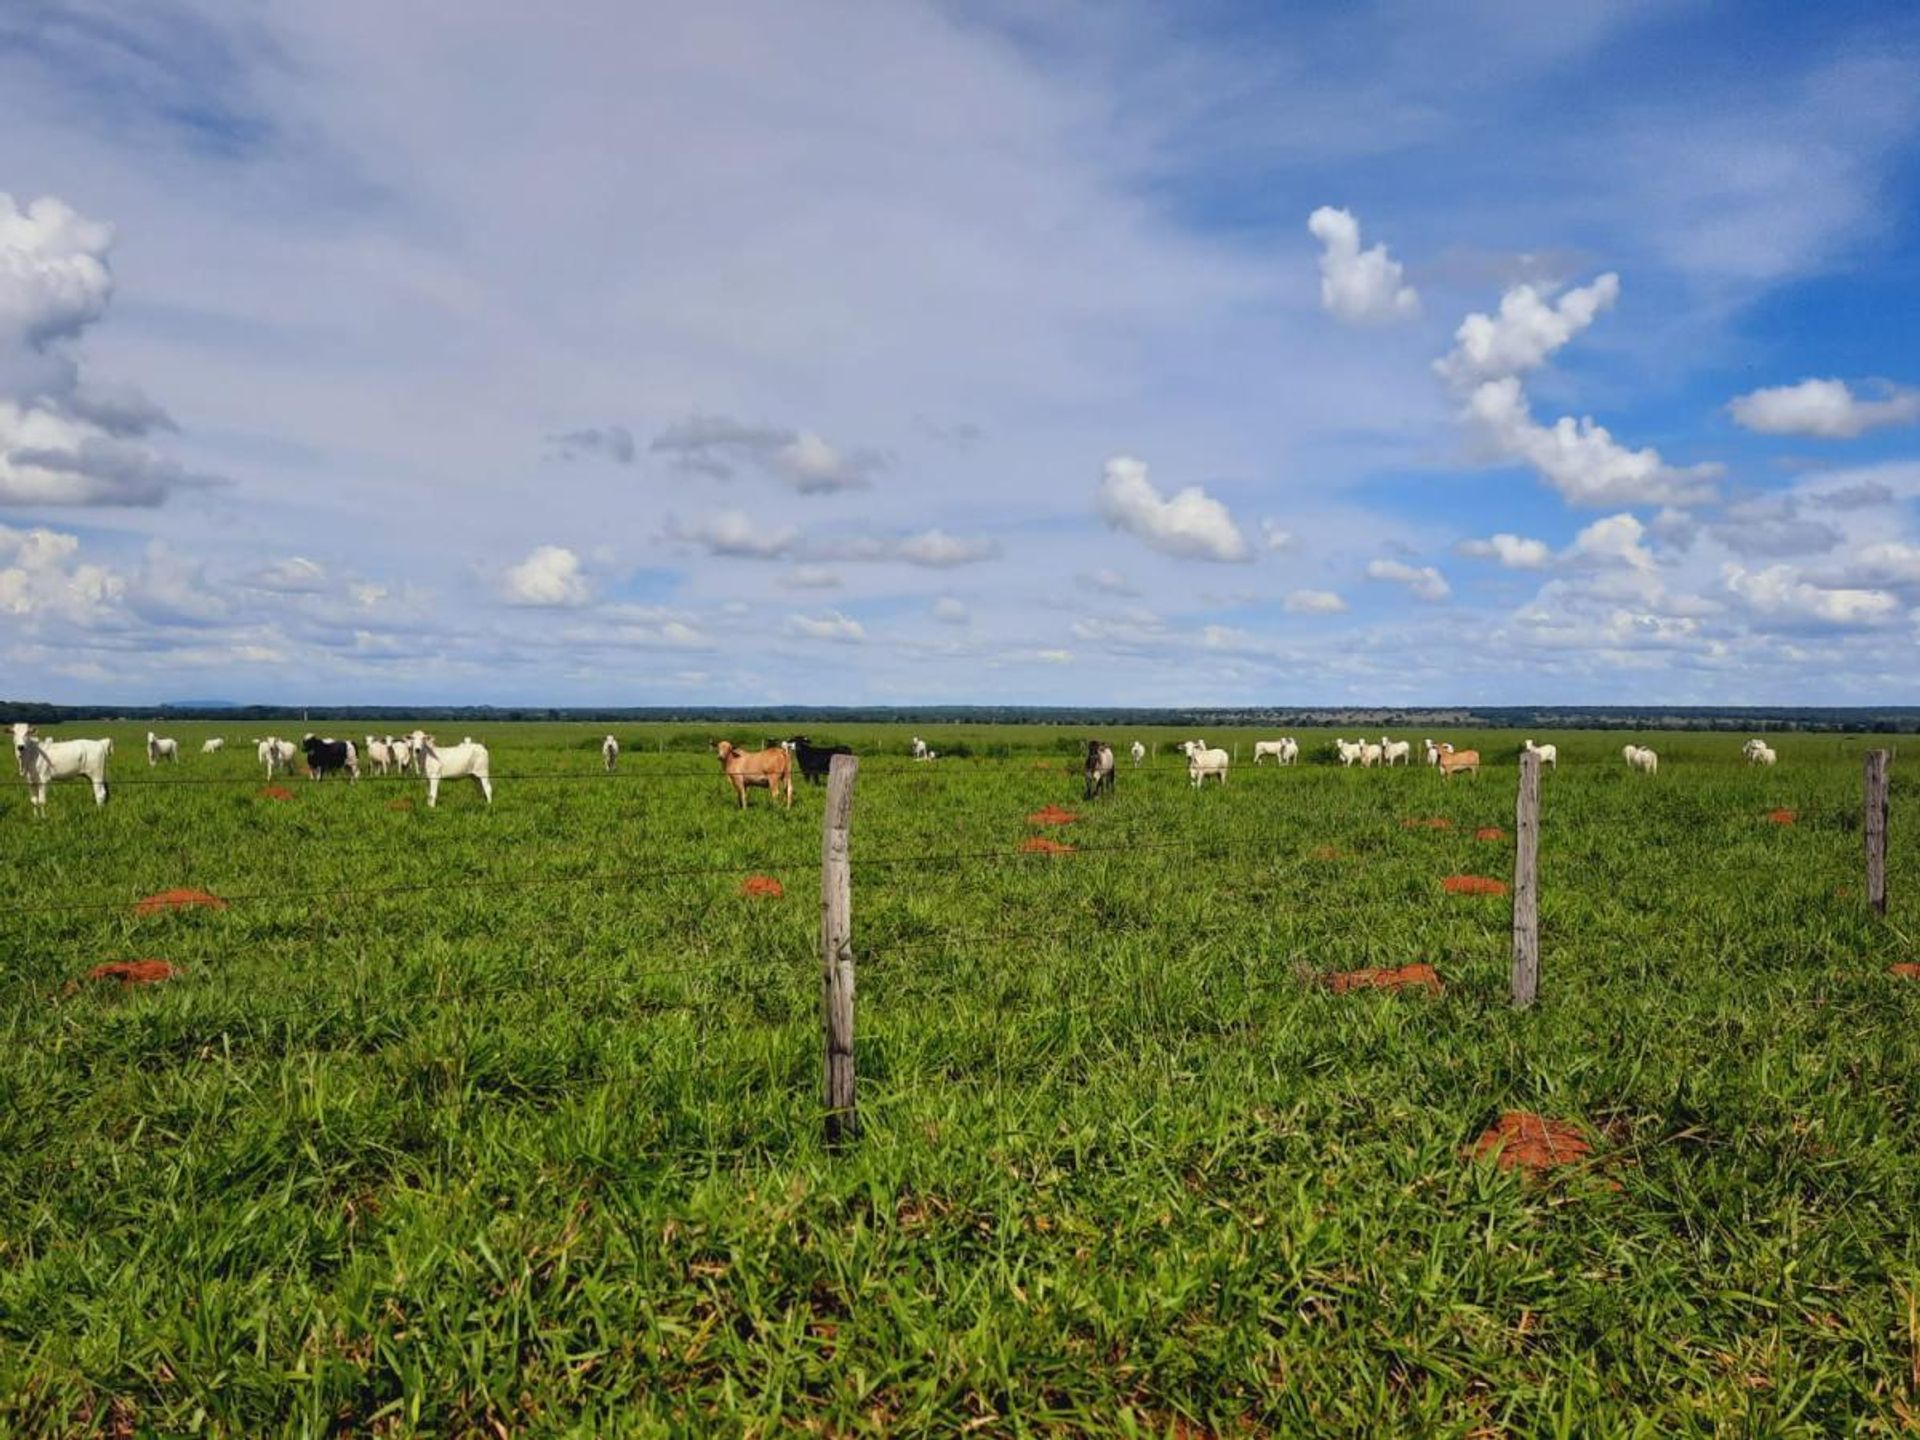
(1452, 760)
(771, 767)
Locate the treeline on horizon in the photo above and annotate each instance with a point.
(1879, 720)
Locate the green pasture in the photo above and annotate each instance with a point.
(484, 1121)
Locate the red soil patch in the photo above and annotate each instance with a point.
(1040, 845)
(1905, 969)
(1436, 822)
(177, 900)
(1489, 832)
(1522, 1140)
(133, 972)
(276, 792)
(1407, 977)
(1473, 885)
(1045, 765)
(399, 804)
(762, 885)
(1783, 817)
(1327, 852)
(1052, 815)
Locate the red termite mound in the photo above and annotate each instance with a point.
(1523, 1140)
(1489, 832)
(276, 792)
(177, 900)
(1040, 845)
(1905, 969)
(1783, 817)
(1407, 977)
(1473, 885)
(762, 885)
(133, 972)
(1052, 815)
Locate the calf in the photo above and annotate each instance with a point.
(772, 768)
(326, 756)
(816, 761)
(1099, 769)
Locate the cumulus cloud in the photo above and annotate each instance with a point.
(1313, 602)
(1862, 495)
(1192, 525)
(949, 611)
(1772, 527)
(1274, 537)
(1358, 286)
(1826, 409)
(1780, 593)
(831, 626)
(66, 439)
(608, 442)
(295, 575)
(550, 576)
(1893, 563)
(1579, 458)
(1422, 581)
(1512, 551)
(809, 577)
(1612, 541)
(1526, 331)
(715, 446)
(929, 549)
(41, 577)
(736, 534)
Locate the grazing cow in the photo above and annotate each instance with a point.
(1276, 748)
(772, 768)
(452, 762)
(1099, 769)
(1549, 754)
(1758, 752)
(816, 761)
(1452, 761)
(380, 753)
(326, 756)
(210, 747)
(160, 748)
(609, 752)
(1392, 750)
(1641, 758)
(1202, 762)
(919, 748)
(1139, 752)
(42, 761)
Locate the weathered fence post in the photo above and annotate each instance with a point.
(836, 952)
(1526, 884)
(1876, 829)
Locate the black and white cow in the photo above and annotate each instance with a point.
(326, 756)
(1099, 769)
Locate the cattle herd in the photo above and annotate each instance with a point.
(42, 760)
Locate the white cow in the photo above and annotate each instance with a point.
(1139, 752)
(275, 754)
(1276, 748)
(380, 753)
(919, 748)
(1641, 758)
(1369, 755)
(1202, 762)
(209, 747)
(1392, 750)
(1348, 750)
(41, 761)
(1758, 752)
(453, 762)
(400, 752)
(1549, 754)
(160, 748)
(609, 752)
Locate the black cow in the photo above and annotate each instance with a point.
(1099, 769)
(815, 760)
(326, 756)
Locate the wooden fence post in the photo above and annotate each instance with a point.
(1876, 830)
(1526, 884)
(836, 952)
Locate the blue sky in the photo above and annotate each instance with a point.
(1050, 353)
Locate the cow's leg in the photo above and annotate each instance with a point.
(433, 791)
(486, 787)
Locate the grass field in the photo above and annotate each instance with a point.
(506, 1121)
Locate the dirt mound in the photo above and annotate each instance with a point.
(1052, 815)
(1905, 969)
(1327, 852)
(276, 792)
(1473, 885)
(1783, 817)
(399, 804)
(1521, 1140)
(1431, 822)
(133, 972)
(177, 900)
(1040, 845)
(764, 885)
(1489, 832)
(1407, 977)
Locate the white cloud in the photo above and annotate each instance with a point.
(1525, 333)
(295, 575)
(831, 626)
(810, 577)
(1313, 602)
(1613, 541)
(949, 611)
(1192, 525)
(1512, 551)
(1359, 286)
(1883, 562)
(1423, 582)
(1772, 526)
(929, 549)
(1106, 582)
(735, 533)
(716, 446)
(1827, 409)
(1580, 459)
(39, 578)
(1780, 593)
(550, 576)
(1275, 538)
